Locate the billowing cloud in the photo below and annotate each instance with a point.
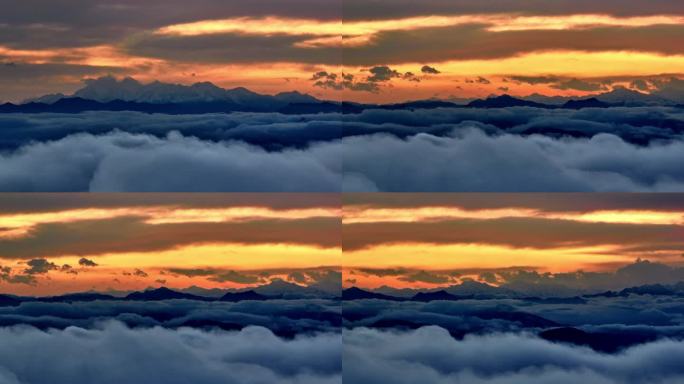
(253, 355)
(431, 355)
(514, 164)
(268, 130)
(126, 162)
(285, 318)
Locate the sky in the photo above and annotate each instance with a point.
(48, 47)
(362, 50)
(432, 240)
(56, 243)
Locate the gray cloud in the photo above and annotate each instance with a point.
(86, 262)
(125, 162)
(39, 267)
(235, 277)
(513, 164)
(475, 42)
(7, 276)
(253, 355)
(426, 277)
(430, 70)
(232, 48)
(388, 9)
(68, 23)
(370, 83)
(285, 318)
(580, 85)
(131, 234)
(271, 131)
(431, 355)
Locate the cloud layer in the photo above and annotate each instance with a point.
(286, 318)
(430, 355)
(120, 161)
(156, 355)
(268, 130)
(472, 161)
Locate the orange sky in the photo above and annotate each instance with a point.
(49, 246)
(55, 243)
(444, 241)
(274, 48)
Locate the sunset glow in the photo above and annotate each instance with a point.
(110, 245)
(405, 244)
(475, 52)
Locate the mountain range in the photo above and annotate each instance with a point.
(276, 290)
(110, 94)
(472, 290)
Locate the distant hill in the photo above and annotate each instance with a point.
(505, 101)
(355, 293)
(277, 290)
(9, 301)
(78, 105)
(586, 103)
(86, 296)
(437, 295)
(598, 341)
(163, 294)
(128, 94)
(241, 296)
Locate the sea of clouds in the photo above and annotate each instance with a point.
(449, 149)
(113, 353)
(430, 355)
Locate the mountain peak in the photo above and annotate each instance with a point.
(109, 88)
(504, 101)
(162, 293)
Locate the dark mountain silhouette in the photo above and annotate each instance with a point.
(555, 300)
(471, 287)
(10, 301)
(85, 296)
(436, 295)
(163, 294)
(602, 294)
(505, 101)
(110, 94)
(245, 295)
(602, 342)
(648, 289)
(277, 289)
(355, 293)
(651, 289)
(586, 103)
(421, 104)
(78, 105)
(527, 320)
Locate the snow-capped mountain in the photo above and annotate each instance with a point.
(106, 89)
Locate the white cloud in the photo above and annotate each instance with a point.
(430, 355)
(115, 354)
(120, 161)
